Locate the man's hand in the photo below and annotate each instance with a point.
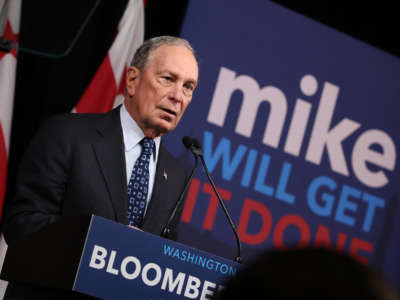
(134, 227)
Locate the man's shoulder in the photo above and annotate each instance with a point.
(79, 119)
(80, 122)
(72, 128)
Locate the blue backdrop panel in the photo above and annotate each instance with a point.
(298, 125)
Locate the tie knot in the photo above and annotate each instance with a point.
(148, 146)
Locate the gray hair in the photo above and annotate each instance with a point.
(143, 53)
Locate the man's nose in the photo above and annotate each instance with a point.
(176, 93)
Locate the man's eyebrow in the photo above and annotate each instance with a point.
(176, 75)
(192, 81)
(166, 72)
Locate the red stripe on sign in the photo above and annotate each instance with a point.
(99, 96)
(3, 170)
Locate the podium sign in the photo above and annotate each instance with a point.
(119, 262)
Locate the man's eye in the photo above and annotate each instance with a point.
(167, 78)
(188, 87)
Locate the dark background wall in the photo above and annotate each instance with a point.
(53, 71)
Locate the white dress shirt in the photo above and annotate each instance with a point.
(132, 136)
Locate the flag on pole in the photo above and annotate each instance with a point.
(106, 89)
(9, 28)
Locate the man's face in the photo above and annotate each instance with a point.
(161, 92)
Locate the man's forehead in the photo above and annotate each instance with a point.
(172, 48)
(174, 55)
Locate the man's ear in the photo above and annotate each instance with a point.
(132, 78)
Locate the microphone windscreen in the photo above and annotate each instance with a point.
(187, 141)
(196, 143)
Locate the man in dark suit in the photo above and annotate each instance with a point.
(80, 164)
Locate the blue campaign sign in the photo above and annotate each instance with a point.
(119, 262)
(299, 129)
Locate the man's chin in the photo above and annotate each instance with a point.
(165, 126)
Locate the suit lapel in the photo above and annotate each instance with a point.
(109, 150)
(160, 205)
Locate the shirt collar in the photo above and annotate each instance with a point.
(132, 132)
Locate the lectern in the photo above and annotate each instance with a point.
(108, 260)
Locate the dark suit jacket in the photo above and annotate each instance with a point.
(75, 165)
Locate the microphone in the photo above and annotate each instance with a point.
(195, 147)
(188, 142)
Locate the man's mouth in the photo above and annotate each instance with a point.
(171, 112)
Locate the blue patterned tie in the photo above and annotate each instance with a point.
(139, 184)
